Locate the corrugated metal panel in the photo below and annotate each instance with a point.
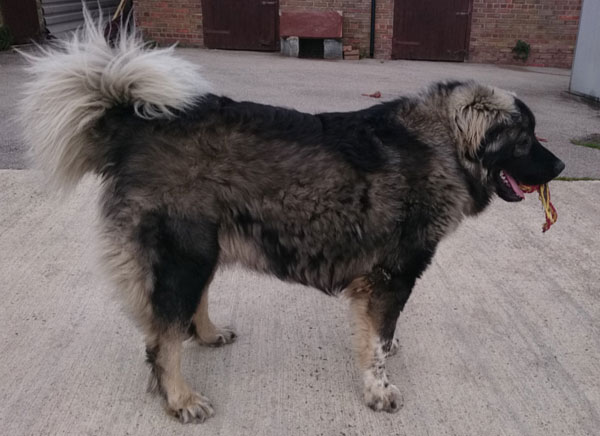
(64, 16)
(585, 75)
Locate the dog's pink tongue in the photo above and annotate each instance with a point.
(514, 185)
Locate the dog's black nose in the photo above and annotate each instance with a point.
(558, 167)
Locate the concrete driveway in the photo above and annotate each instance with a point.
(500, 337)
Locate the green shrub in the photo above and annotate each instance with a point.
(521, 50)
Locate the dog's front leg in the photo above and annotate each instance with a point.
(376, 302)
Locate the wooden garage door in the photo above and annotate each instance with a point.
(241, 24)
(431, 29)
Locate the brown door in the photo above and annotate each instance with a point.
(241, 24)
(21, 18)
(435, 30)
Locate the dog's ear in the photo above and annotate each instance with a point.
(476, 108)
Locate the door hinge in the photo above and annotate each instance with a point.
(462, 51)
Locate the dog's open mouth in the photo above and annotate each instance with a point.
(507, 187)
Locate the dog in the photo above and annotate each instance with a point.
(349, 203)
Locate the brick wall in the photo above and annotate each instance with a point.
(384, 28)
(170, 21)
(549, 26)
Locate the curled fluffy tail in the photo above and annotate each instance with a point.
(75, 82)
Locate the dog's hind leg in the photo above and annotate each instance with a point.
(205, 332)
(186, 253)
(376, 301)
(163, 353)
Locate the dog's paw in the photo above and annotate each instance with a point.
(394, 346)
(194, 408)
(218, 337)
(383, 397)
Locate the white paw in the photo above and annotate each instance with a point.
(383, 396)
(195, 408)
(217, 338)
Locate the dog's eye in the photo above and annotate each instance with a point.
(522, 148)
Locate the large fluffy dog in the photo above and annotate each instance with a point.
(354, 202)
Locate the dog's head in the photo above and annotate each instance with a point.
(497, 142)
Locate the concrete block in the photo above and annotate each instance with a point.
(290, 46)
(332, 49)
